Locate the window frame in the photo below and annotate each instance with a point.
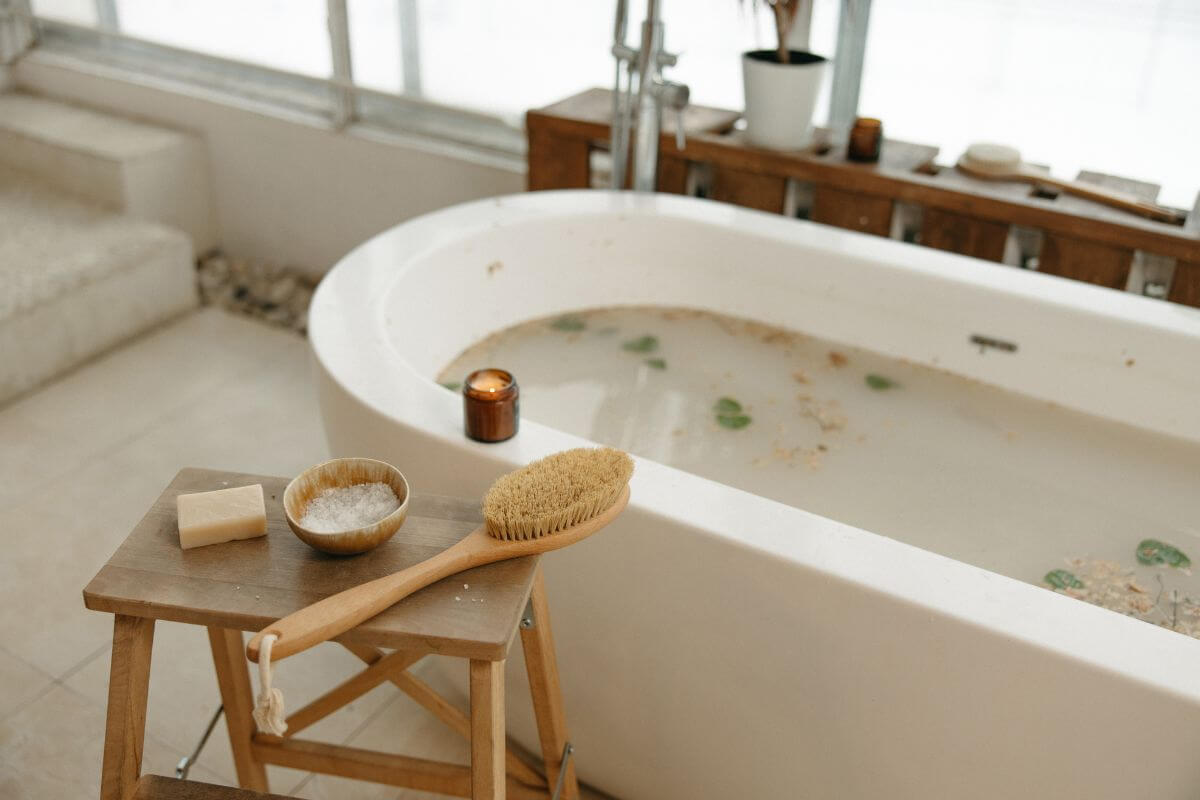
(314, 99)
(340, 103)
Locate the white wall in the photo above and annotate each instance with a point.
(288, 190)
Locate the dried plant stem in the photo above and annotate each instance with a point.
(785, 15)
(785, 20)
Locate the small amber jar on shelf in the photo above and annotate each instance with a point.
(491, 407)
(866, 140)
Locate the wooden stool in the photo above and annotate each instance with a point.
(243, 586)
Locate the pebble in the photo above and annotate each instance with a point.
(274, 294)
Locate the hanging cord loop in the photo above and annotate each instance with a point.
(268, 713)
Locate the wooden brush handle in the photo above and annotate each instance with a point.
(1111, 197)
(339, 613)
(1097, 193)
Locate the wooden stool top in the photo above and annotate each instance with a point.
(246, 585)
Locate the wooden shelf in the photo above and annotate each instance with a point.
(1080, 239)
(156, 787)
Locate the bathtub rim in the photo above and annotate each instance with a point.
(1005, 606)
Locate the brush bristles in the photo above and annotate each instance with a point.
(556, 492)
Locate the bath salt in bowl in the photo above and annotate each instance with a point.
(347, 505)
(339, 508)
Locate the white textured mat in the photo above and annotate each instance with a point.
(140, 169)
(75, 279)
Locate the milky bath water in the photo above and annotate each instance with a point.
(979, 474)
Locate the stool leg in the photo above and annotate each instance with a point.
(487, 730)
(128, 683)
(542, 667)
(233, 678)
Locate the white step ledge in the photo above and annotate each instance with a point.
(75, 279)
(143, 170)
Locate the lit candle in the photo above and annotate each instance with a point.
(491, 410)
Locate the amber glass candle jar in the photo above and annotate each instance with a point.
(491, 410)
(866, 140)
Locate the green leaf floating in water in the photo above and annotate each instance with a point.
(879, 382)
(1152, 551)
(568, 323)
(453, 386)
(642, 344)
(729, 413)
(656, 363)
(1061, 579)
(727, 406)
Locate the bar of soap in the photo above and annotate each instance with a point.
(221, 516)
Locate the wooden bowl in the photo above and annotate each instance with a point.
(340, 473)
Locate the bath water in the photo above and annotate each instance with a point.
(982, 475)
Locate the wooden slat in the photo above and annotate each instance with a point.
(1082, 260)
(249, 584)
(556, 162)
(894, 178)
(858, 212)
(156, 787)
(128, 683)
(382, 670)
(364, 765)
(748, 189)
(370, 765)
(546, 690)
(594, 106)
(430, 700)
(672, 175)
(957, 233)
(233, 680)
(1013, 203)
(1185, 286)
(487, 730)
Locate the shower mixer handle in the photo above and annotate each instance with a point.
(644, 104)
(675, 97)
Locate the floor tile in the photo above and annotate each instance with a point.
(19, 683)
(116, 397)
(53, 748)
(67, 526)
(62, 533)
(30, 456)
(52, 553)
(267, 421)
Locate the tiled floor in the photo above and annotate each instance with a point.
(81, 459)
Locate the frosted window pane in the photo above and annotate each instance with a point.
(375, 44)
(1106, 85)
(81, 12)
(285, 34)
(506, 57)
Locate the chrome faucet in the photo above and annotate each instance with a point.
(652, 94)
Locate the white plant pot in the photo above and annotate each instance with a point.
(781, 98)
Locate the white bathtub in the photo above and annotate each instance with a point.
(715, 644)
